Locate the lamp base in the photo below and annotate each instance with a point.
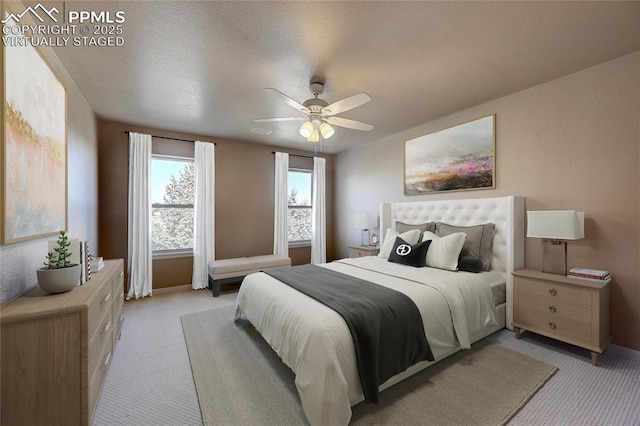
(554, 257)
(365, 237)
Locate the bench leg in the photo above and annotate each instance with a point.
(215, 285)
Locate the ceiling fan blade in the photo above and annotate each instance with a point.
(349, 124)
(264, 120)
(346, 104)
(287, 100)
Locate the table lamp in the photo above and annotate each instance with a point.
(555, 227)
(362, 221)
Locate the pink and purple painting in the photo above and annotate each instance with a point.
(454, 159)
(35, 140)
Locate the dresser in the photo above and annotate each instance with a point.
(571, 310)
(362, 251)
(56, 350)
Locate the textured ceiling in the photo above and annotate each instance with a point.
(200, 67)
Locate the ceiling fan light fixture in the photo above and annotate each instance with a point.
(306, 130)
(315, 136)
(326, 130)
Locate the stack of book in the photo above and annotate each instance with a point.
(590, 275)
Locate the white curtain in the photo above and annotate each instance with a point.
(204, 214)
(280, 240)
(139, 234)
(318, 213)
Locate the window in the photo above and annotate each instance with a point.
(299, 185)
(172, 194)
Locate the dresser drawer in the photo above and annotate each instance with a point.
(118, 320)
(101, 342)
(556, 291)
(117, 329)
(97, 380)
(554, 326)
(98, 308)
(555, 308)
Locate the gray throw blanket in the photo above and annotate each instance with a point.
(385, 324)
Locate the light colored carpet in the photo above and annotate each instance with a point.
(243, 382)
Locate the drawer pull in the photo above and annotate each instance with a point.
(107, 358)
(121, 275)
(552, 308)
(552, 325)
(122, 318)
(106, 299)
(553, 291)
(106, 328)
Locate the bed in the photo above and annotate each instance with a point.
(457, 308)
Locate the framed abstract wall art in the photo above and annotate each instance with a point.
(34, 151)
(454, 159)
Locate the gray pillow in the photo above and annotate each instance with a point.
(404, 227)
(478, 242)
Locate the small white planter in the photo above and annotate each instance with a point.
(58, 280)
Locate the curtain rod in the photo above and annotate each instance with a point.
(295, 155)
(172, 139)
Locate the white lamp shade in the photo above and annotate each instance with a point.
(558, 224)
(326, 130)
(306, 129)
(315, 136)
(362, 220)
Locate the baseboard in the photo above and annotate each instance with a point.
(624, 352)
(172, 289)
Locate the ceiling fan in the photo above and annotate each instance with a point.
(319, 115)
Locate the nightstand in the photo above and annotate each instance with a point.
(566, 309)
(362, 251)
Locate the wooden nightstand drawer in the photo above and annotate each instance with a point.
(555, 326)
(556, 291)
(362, 251)
(556, 308)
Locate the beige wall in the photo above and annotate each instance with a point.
(244, 198)
(572, 143)
(19, 261)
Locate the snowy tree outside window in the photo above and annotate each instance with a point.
(172, 195)
(299, 183)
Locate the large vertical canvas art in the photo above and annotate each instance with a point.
(454, 159)
(34, 147)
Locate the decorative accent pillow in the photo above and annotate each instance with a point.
(478, 242)
(411, 237)
(469, 264)
(404, 227)
(444, 251)
(407, 254)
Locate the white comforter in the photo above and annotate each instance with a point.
(314, 341)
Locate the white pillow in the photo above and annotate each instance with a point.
(411, 237)
(443, 252)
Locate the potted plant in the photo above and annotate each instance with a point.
(59, 274)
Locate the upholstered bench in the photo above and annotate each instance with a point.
(225, 271)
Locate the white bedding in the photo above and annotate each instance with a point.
(314, 341)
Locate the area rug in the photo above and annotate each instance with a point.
(241, 381)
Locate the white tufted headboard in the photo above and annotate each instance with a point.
(507, 213)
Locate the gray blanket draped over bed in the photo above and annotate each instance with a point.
(385, 324)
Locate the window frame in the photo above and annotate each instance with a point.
(171, 253)
(299, 243)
